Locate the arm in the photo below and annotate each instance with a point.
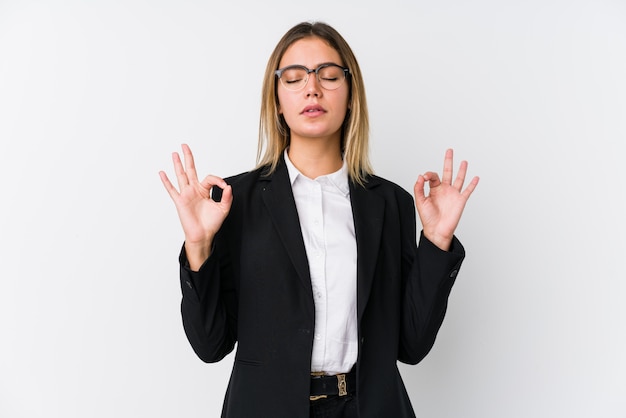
(209, 306)
(430, 270)
(430, 274)
(209, 302)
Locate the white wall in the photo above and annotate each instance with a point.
(95, 95)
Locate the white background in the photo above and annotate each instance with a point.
(95, 95)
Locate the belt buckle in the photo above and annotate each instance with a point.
(341, 384)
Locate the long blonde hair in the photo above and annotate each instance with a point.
(274, 133)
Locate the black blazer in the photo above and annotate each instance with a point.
(255, 290)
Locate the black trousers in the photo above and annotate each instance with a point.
(334, 407)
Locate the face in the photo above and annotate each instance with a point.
(313, 112)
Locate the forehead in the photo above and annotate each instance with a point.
(310, 52)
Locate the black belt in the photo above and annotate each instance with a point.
(338, 385)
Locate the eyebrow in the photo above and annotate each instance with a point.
(317, 66)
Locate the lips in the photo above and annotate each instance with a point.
(313, 110)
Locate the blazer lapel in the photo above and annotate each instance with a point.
(368, 211)
(279, 200)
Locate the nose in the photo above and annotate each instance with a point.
(313, 87)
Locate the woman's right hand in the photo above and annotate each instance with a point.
(200, 216)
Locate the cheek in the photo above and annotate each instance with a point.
(343, 103)
(347, 99)
(283, 103)
(341, 97)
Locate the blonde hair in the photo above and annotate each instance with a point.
(273, 130)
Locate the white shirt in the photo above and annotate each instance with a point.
(327, 225)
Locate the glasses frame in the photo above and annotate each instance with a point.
(280, 71)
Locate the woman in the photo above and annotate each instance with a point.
(309, 262)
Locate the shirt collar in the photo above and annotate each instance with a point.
(339, 178)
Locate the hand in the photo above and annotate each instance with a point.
(440, 211)
(200, 216)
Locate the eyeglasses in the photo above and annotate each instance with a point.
(329, 76)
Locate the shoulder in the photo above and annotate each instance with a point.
(241, 183)
(377, 190)
(245, 182)
(248, 177)
(387, 188)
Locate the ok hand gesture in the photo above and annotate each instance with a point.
(440, 211)
(200, 216)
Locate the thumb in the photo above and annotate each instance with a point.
(227, 196)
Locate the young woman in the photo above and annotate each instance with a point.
(310, 261)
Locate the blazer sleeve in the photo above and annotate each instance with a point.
(428, 275)
(209, 306)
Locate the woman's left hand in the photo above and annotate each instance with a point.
(440, 211)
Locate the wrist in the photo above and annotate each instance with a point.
(442, 242)
(197, 254)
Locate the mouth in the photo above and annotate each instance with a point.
(313, 110)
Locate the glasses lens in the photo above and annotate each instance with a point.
(294, 78)
(331, 77)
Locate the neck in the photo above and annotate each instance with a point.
(315, 158)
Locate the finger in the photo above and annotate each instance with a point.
(447, 167)
(460, 177)
(211, 180)
(418, 190)
(470, 187)
(207, 184)
(433, 179)
(171, 190)
(190, 166)
(181, 176)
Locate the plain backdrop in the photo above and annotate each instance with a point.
(96, 95)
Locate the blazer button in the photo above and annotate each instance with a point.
(454, 273)
(189, 284)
